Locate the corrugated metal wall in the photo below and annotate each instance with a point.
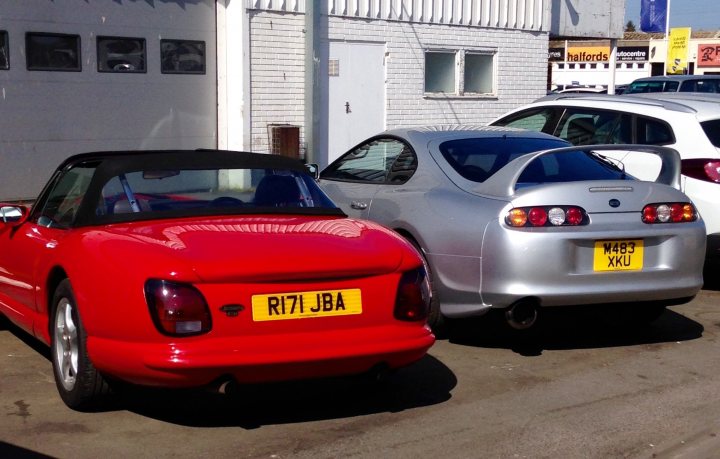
(504, 14)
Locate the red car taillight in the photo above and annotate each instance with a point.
(413, 296)
(707, 170)
(177, 309)
(546, 216)
(672, 212)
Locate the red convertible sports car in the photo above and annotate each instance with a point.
(186, 268)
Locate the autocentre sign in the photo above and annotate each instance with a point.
(602, 53)
(708, 55)
(633, 53)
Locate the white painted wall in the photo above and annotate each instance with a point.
(48, 116)
(277, 70)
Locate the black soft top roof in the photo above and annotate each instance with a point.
(109, 164)
(114, 162)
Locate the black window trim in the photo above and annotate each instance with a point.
(53, 69)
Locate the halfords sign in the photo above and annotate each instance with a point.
(602, 54)
(589, 54)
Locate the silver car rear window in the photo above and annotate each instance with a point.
(477, 159)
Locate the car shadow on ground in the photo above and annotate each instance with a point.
(25, 337)
(566, 328)
(711, 274)
(427, 382)
(11, 451)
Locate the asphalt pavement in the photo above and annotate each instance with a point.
(581, 386)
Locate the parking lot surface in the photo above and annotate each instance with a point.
(581, 386)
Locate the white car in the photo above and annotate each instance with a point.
(687, 122)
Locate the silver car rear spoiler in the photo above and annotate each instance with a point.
(502, 183)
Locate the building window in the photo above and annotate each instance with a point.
(479, 73)
(641, 65)
(629, 66)
(182, 56)
(4, 52)
(118, 54)
(440, 71)
(582, 66)
(593, 66)
(53, 52)
(561, 66)
(607, 66)
(476, 67)
(571, 66)
(333, 67)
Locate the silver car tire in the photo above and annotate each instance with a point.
(79, 383)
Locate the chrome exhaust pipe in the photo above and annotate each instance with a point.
(522, 314)
(223, 386)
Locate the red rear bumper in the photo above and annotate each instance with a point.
(199, 361)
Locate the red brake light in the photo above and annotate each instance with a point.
(702, 169)
(649, 214)
(177, 309)
(537, 216)
(413, 296)
(675, 212)
(574, 216)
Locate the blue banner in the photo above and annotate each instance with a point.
(653, 15)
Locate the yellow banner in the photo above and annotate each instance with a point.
(588, 54)
(678, 46)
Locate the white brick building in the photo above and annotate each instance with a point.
(382, 64)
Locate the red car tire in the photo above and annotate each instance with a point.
(79, 383)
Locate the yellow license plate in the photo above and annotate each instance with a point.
(618, 255)
(301, 305)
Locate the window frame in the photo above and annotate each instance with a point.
(454, 53)
(35, 68)
(493, 72)
(164, 71)
(100, 38)
(460, 72)
(5, 49)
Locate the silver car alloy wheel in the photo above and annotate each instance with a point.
(66, 344)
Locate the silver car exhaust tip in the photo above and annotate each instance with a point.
(522, 314)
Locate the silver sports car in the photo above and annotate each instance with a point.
(520, 220)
